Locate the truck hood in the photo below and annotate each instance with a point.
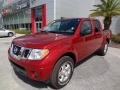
(38, 40)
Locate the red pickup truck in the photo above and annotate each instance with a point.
(52, 54)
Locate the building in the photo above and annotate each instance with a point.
(16, 14)
(55, 9)
(35, 14)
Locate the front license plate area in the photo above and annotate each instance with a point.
(19, 70)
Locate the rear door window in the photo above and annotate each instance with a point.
(96, 26)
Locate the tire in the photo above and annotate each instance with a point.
(10, 34)
(103, 50)
(62, 72)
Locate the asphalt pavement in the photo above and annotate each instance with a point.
(95, 73)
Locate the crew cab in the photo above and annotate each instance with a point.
(51, 55)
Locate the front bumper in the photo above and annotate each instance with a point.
(34, 70)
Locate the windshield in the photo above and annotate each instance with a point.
(63, 26)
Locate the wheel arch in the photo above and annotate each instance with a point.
(70, 54)
(11, 33)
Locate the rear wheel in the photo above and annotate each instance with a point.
(103, 50)
(10, 34)
(62, 72)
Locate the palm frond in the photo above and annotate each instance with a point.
(106, 8)
(94, 14)
(104, 2)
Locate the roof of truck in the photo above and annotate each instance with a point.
(77, 18)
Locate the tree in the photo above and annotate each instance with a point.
(107, 9)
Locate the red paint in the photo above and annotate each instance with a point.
(33, 20)
(43, 15)
(43, 18)
(79, 46)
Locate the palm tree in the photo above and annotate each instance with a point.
(107, 9)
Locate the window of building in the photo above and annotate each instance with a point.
(38, 14)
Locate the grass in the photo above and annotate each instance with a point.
(116, 38)
(22, 31)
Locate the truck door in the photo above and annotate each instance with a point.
(87, 34)
(98, 33)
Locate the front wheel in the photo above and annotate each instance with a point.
(103, 50)
(62, 72)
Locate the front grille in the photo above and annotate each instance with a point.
(19, 52)
(26, 53)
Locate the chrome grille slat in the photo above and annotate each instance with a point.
(20, 53)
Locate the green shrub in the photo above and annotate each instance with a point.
(22, 31)
(116, 38)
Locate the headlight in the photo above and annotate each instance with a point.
(38, 54)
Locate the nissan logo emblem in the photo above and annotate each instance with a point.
(15, 50)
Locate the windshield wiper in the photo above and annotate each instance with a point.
(42, 31)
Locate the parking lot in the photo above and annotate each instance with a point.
(96, 73)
